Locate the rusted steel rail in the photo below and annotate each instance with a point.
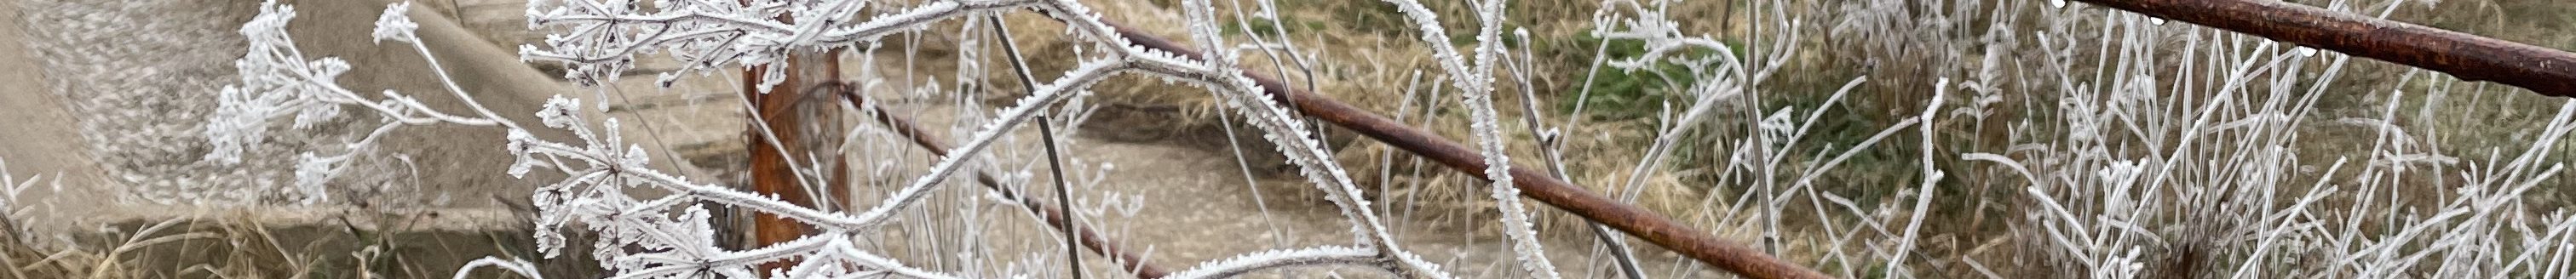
(1644, 224)
(771, 173)
(2470, 57)
(773, 115)
(1054, 217)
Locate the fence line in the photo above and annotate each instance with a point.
(1636, 221)
(2470, 57)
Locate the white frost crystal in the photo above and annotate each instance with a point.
(395, 24)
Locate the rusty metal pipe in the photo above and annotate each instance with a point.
(1636, 221)
(1055, 218)
(2470, 57)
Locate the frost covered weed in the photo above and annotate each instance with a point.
(15, 210)
(19, 249)
(2157, 150)
(86, 63)
(248, 249)
(2140, 149)
(2177, 151)
(645, 236)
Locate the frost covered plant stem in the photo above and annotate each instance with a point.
(14, 208)
(2090, 206)
(1475, 81)
(1931, 176)
(670, 235)
(519, 267)
(1055, 167)
(765, 42)
(277, 80)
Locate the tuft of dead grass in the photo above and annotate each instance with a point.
(250, 244)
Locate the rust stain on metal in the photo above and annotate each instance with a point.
(1055, 218)
(1636, 221)
(2470, 57)
(770, 172)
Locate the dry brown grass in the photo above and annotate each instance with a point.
(248, 244)
(130, 253)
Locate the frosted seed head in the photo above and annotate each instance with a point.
(395, 24)
(558, 112)
(310, 174)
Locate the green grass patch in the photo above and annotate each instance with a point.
(1622, 94)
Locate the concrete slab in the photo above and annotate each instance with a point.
(38, 135)
(62, 118)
